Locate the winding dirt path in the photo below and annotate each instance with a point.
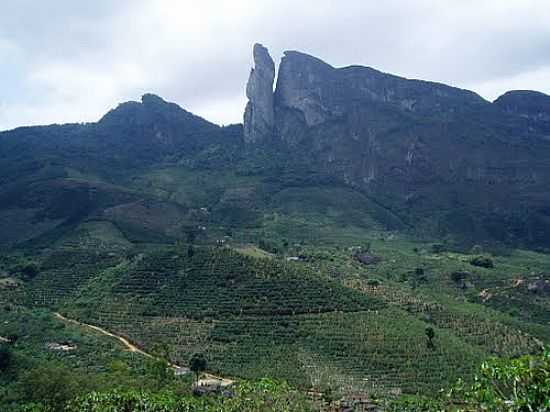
(131, 347)
(208, 379)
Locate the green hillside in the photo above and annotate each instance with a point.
(326, 321)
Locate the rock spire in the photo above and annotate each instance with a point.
(259, 113)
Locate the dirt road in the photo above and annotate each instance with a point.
(207, 380)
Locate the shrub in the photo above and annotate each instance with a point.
(459, 275)
(482, 261)
(264, 395)
(53, 386)
(28, 270)
(373, 282)
(501, 385)
(516, 385)
(5, 358)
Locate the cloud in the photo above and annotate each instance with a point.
(71, 61)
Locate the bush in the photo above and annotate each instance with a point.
(264, 395)
(459, 275)
(5, 358)
(502, 385)
(482, 261)
(373, 282)
(516, 385)
(53, 386)
(28, 270)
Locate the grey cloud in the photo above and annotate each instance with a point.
(71, 61)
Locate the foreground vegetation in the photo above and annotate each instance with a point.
(263, 395)
(507, 385)
(516, 385)
(324, 319)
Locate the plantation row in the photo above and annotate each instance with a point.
(61, 275)
(266, 317)
(479, 329)
(213, 283)
(385, 348)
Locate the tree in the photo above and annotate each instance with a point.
(191, 235)
(197, 364)
(159, 371)
(482, 261)
(430, 334)
(5, 358)
(30, 270)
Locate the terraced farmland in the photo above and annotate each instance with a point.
(328, 321)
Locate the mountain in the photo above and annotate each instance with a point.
(56, 177)
(441, 158)
(531, 105)
(360, 233)
(435, 160)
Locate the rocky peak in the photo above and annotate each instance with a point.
(301, 84)
(151, 99)
(311, 92)
(152, 110)
(526, 103)
(259, 114)
(531, 106)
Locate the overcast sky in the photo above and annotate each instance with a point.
(71, 61)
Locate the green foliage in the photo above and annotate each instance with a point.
(53, 386)
(483, 262)
(516, 385)
(29, 270)
(458, 276)
(415, 403)
(221, 282)
(503, 385)
(268, 246)
(430, 334)
(159, 371)
(5, 357)
(264, 395)
(198, 364)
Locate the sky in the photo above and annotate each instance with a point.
(72, 61)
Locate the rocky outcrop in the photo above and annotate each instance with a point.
(320, 92)
(302, 86)
(259, 113)
(413, 146)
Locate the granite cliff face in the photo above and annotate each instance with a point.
(259, 114)
(444, 159)
(322, 92)
(530, 105)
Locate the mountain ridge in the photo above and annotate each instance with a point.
(442, 159)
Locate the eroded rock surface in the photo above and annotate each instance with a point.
(259, 114)
(413, 146)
